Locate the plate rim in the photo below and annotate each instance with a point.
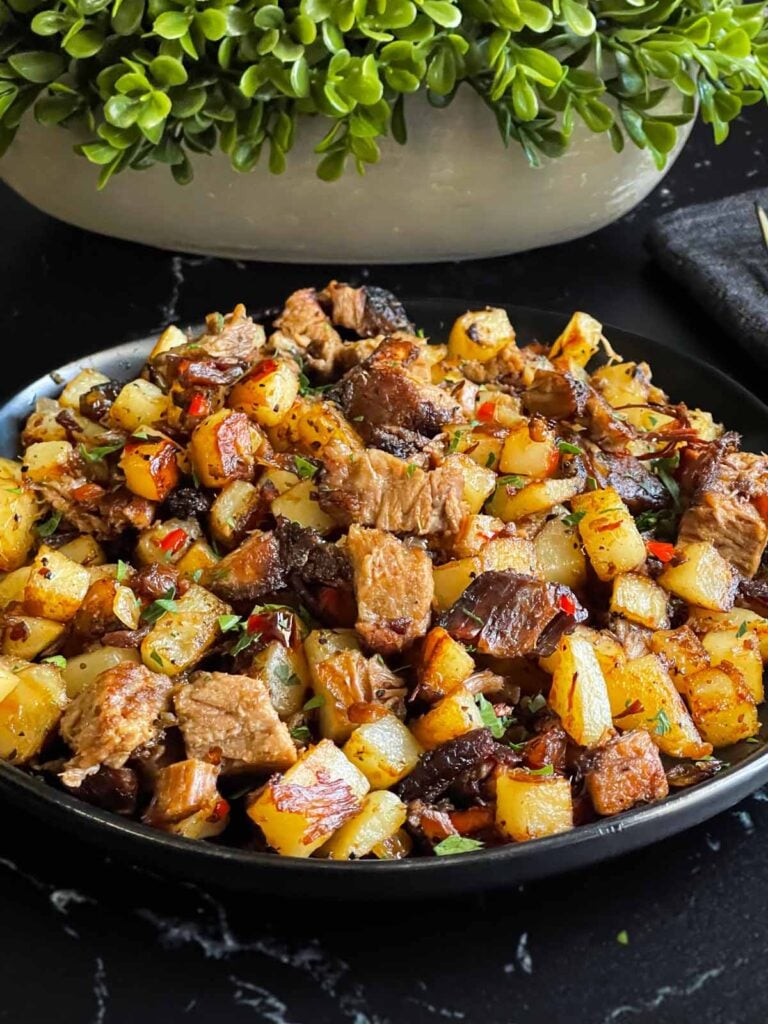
(585, 844)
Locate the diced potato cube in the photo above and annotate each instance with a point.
(179, 638)
(395, 847)
(385, 751)
(681, 649)
(623, 384)
(579, 694)
(56, 586)
(139, 402)
(285, 672)
(46, 461)
(480, 335)
(236, 509)
(381, 816)
(579, 341)
(151, 466)
(198, 558)
(339, 677)
(506, 411)
(560, 554)
(300, 505)
(721, 705)
(607, 649)
(450, 717)
(82, 669)
(444, 664)
(741, 651)
(12, 586)
(532, 806)
(517, 554)
(25, 636)
(639, 599)
(172, 337)
(643, 696)
(474, 533)
(479, 482)
(18, 513)
(482, 448)
(85, 550)
(309, 426)
(281, 480)
(267, 393)
(167, 542)
(10, 471)
(451, 580)
(79, 386)
(222, 449)
(702, 577)
(610, 536)
(511, 503)
(299, 810)
(703, 621)
(524, 454)
(704, 424)
(30, 710)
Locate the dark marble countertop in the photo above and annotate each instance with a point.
(88, 940)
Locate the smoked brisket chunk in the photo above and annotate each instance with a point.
(508, 615)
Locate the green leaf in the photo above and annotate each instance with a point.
(53, 109)
(270, 16)
(457, 844)
(97, 153)
(127, 18)
(154, 110)
(445, 14)
(212, 23)
(490, 718)
(8, 94)
(331, 167)
(524, 101)
(49, 526)
(122, 111)
(304, 468)
(317, 701)
(85, 43)
(168, 71)
(37, 66)
(578, 17)
(661, 136)
(229, 622)
(56, 659)
(49, 23)
(538, 17)
(171, 24)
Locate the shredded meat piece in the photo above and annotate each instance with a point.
(304, 552)
(250, 571)
(113, 789)
(96, 403)
(185, 503)
(382, 397)
(429, 825)
(234, 337)
(549, 746)
(155, 580)
(376, 489)
(509, 615)
(604, 426)
(733, 525)
(723, 483)
(231, 719)
(440, 768)
(366, 311)
(639, 488)
(626, 771)
(181, 790)
(555, 395)
(393, 587)
(632, 637)
(122, 510)
(304, 320)
(126, 637)
(109, 719)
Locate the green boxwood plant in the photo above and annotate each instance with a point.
(157, 80)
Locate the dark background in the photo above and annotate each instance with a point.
(90, 941)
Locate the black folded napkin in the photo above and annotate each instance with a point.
(716, 251)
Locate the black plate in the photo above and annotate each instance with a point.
(683, 378)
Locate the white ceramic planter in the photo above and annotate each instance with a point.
(452, 192)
